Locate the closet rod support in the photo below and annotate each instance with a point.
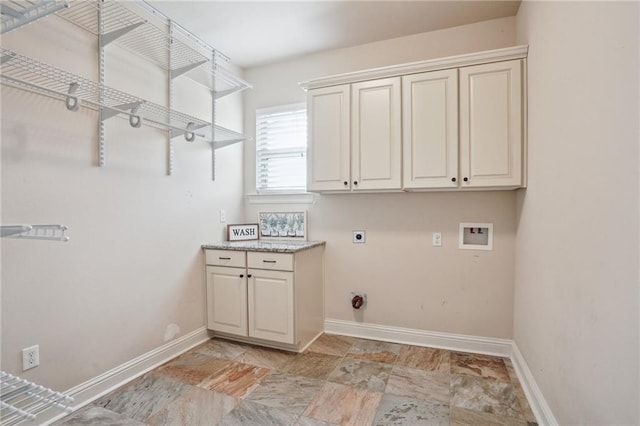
(71, 101)
(191, 127)
(134, 119)
(108, 112)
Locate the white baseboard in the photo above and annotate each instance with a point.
(410, 336)
(538, 404)
(93, 389)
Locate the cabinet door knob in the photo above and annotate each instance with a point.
(355, 182)
(241, 275)
(346, 183)
(249, 276)
(466, 179)
(453, 179)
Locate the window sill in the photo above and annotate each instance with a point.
(282, 198)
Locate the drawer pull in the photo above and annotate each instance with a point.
(249, 276)
(269, 261)
(241, 275)
(224, 258)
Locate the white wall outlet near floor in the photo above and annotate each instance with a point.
(30, 357)
(437, 239)
(359, 237)
(223, 216)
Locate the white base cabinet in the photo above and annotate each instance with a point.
(273, 299)
(227, 300)
(271, 305)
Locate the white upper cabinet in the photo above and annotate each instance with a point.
(376, 135)
(430, 129)
(491, 125)
(355, 137)
(444, 124)
(329, 134)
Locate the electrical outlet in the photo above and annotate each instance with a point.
(437, 239)
(223, 216)
(359, 237)
(30, 357)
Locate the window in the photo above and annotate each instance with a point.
(281, 149)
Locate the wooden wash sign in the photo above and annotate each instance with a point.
(243, 232)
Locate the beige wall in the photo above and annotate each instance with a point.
(576, 294)
(133, 265)
(409, 283)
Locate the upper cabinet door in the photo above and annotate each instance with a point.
(430, 129)
(328, 143)
(491, 125)
(376, 135)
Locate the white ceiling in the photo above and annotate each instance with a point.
(254, 33)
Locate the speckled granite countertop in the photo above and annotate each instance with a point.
(269, 246)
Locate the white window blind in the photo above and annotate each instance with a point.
(281, 149)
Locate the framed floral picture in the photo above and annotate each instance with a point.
(283, 225)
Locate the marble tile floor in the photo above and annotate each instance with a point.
(337, 381)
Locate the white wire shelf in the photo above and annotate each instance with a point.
(26, 73)
(16, 13)
(35, 232)
(146, 32)
(221, 81)
(21, 400)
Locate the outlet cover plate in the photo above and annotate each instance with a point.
(30, 357)
(359, 237)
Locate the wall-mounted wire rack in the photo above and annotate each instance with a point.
(141, 29)
(35, 232)
(21, 400)
(27, 73)
(151, 35)
(16, 13)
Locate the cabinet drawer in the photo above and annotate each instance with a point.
(231, 258)
(265, 260)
